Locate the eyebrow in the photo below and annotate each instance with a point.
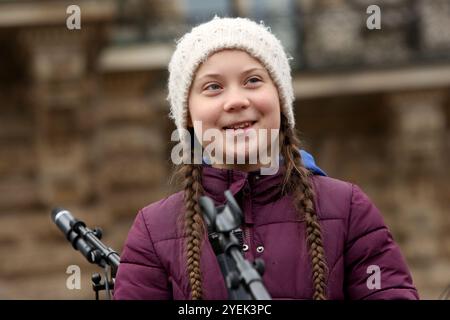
(217, 75)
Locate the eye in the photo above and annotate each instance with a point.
(212, 87)
(253, 80)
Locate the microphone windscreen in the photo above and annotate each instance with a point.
(55, 211)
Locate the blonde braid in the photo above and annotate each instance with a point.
(193, 226)
(297, 182)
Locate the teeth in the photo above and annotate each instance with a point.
(240, 126)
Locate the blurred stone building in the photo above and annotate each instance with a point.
(83, 120)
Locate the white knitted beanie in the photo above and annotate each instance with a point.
(227, 33)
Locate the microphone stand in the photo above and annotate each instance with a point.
(243, 278)
(88, 242)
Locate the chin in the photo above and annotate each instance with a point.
(247, 154)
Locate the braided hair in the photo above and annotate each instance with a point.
(295, 181)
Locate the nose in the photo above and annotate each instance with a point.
(236, 100)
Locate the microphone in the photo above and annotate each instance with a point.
(66, 222)
(88, 243)
(85, 240)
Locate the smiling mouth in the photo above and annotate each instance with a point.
(241, 125)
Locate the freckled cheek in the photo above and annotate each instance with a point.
(206, 112)
(267, 104)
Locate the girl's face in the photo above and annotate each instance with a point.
(232, 88)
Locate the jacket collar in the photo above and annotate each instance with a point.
(261, 188)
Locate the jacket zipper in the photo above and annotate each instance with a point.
(246, 228)
(247, 238)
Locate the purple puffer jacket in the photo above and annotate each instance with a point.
(356, 242)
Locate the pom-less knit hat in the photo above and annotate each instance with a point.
(227, 33)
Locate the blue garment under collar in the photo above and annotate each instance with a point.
(310, 164)
(308, 161)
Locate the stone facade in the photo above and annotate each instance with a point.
(88, 130)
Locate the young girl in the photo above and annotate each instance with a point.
(320, 238)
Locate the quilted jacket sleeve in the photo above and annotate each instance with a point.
(140, 275)
(374, 265)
